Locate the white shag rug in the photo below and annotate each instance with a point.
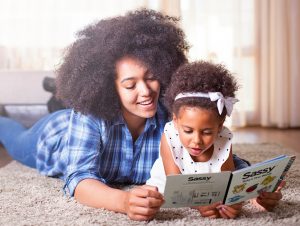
(27, 198)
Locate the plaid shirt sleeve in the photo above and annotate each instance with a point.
(83, 150)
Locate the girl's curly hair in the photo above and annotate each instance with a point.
(200, 76)
(85, 79)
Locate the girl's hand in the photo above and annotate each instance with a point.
(230, 212)
(268, 200)
(143, 202)
(210, 211)
(218, 210)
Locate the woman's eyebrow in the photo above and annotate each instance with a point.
(146, 73)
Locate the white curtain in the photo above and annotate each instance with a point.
(224, 32)
(278, 63)
(34, 32)
(258, 40)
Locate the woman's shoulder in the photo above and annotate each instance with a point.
(57, 120)
(90, 122)
(69, 118)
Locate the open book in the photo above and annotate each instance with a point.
(228, 187)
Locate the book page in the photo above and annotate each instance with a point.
(250, 182)
(195, 189)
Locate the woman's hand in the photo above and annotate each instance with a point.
(139, 203)
(143, 202)
(268, 200)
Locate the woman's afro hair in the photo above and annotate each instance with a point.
(85, 79)
(200, 76)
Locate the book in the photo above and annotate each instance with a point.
(186, 190)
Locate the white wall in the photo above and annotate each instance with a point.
(23, 87)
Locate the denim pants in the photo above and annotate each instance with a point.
(240, 163)
(21, 142)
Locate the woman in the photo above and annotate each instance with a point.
(111, 78)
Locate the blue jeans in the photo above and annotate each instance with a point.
(21, 142)
(240, 163)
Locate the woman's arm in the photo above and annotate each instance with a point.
(167, 158)
(139, 203)
(267, 201)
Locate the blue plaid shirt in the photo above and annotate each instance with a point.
(75, 147)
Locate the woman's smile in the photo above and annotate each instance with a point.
(147, 104)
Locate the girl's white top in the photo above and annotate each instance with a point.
(183, 159)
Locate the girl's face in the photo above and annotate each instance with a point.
(198, 129)
(137, 88)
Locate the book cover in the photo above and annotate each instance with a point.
(228, 187)
(249, 182)
(195, 189)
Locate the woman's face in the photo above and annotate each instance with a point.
(198, 129)
(137, 88)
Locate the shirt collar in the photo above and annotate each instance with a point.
(151, 122)
(119, 120)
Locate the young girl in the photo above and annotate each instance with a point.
(200, 97)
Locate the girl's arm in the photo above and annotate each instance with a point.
(139, 203)
(217, 210)
(167, 158)
(232, 211)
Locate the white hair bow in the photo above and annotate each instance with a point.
(222, 101)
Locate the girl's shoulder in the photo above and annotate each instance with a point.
(172, 137)
(169, 128)
(225, 133)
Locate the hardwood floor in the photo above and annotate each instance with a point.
(288, 138)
